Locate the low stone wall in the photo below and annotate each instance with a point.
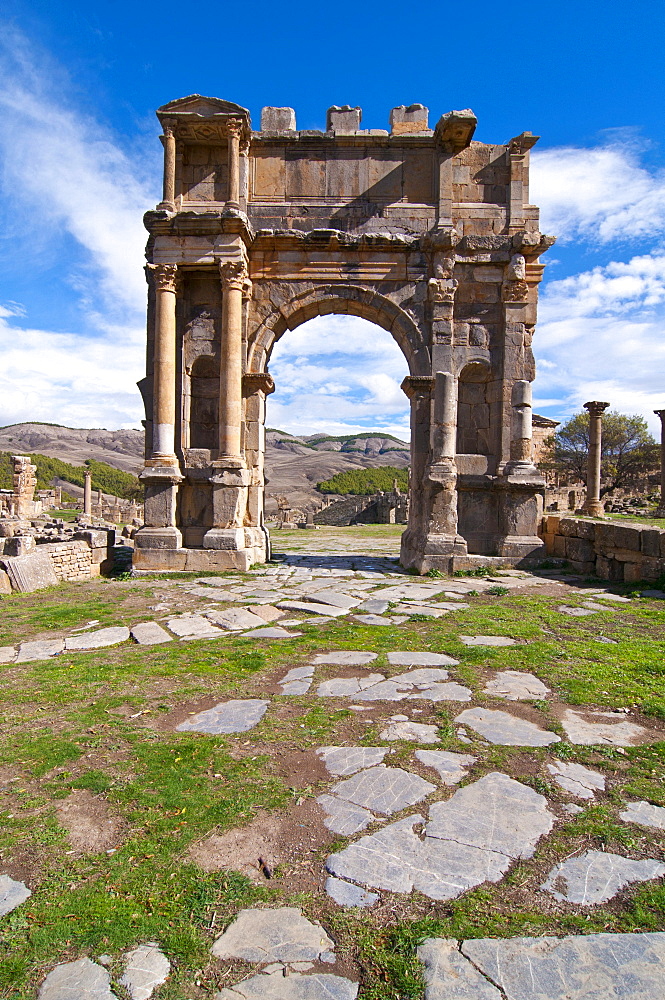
(71, 560)
(611, 550)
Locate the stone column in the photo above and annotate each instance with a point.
(87, 493)
(168, 140)
(592, 504)
(661, 506)
(164, 395)
(521, 430)
(234, 276)
(234, 131)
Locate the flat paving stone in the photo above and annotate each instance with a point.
(575, 612)
(340, 687)
(214, 593)
(373, 606)
(342, 761)
(12, 894)
(618, 734)
(312, 608)
(39, 649)
(235, 619)
(580, 967)
(404, 590)
(193, 627)
(503, 729)
(347, 894)
(451, 767)
(384, 790)
(146, 968)
(333, 598)
(149, 634)
(298, 680)
(594, 877)
(80, 980)
(514, 685)
(295, 986)
(373, 620)
(415, 732)
(495, 813)
(282, 934)
(450, 691)
(98, 640)
(578, 780)
(235, 716)
(644, 814)
(270, 633)
(422, 659)
(267, 612)
(487, 640)
(343, 817)
(451, 976)
(426, 610)
(7, 654)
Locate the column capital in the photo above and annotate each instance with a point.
(164, 276)
(234, 275)
(253, 382)
(417, 385)
(168, 128)
(234, 128)
(596, 408)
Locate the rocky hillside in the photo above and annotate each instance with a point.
(294, 464)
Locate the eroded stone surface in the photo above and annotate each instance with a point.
(271, 633)
(193, 627)
(575, 612)
(298, 680)
(504, 729)
(342, 761)
(236, 716)
(416, 732)
(373, 606)
(7, 654)
(451, 767)
(39, 649)
(594, 877)
(12, 894)
(99, 639)
(275, 935)
(296, 986)
(234, 619)
(581, 967)
(347, 894)
(339, 687)
(487, 640)
(333, 598)
(423, 659)
(80, 980)
(577, 779)
(146, 968)
(312, 608)
(644, 814)
(618, 734)
(150, 634)
(384, 790)
(514, 685)
(345, 658)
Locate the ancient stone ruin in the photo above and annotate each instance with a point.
(420, 230)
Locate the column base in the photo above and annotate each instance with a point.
(191, 560)
(158, 538)
(521, 547)
(432, 551)
(592, 508)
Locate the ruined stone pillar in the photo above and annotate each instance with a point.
(521, 429)
(233, 275)
(25, 481)
(163, 439)
(661, 506)
(592, 504)
(168, 196)
(87, 492)
(234, 130)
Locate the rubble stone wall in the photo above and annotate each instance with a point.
(611, 550)
(71, 560)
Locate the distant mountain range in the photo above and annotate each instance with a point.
(294, 463)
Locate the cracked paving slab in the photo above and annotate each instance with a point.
(487, 640)
(451, 767)
(644, 814)
(296, 986)
(578, 780)
(236, 716)
(515, 685)
(193, 627)
(342, 761)
(99, 639)
(503, 729)
(339, 687)
(348, 894)
(472, 838)
(343, 817)
(420, 659)
(80, 980)
(451, 976)
(414, 732)
(595, 876)
(12, 894)
(581, 967)
(282, 934)
(345, 658)
(384, 790)
(619, 734)
(146, 968)
(298, 680)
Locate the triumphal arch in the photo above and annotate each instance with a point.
(420, 230)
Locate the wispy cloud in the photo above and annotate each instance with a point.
(602, 194)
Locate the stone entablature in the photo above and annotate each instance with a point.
(422, 231)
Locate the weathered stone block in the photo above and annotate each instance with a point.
(650, 540)
(560, 546)
(413, 118)
(552, 523)
(618, 536)
(343, 120)
(579, 550)
(278, 120)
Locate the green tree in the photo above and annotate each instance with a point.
(628, 450)
(365, 482)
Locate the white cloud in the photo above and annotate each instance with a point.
(600, 336)
(601, 194)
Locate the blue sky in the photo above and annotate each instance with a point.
(80, 161)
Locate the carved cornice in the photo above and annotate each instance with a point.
(455, 129)
(522, 143)
(661, 414)
(254, 382)
(418, 385)
(164, 277)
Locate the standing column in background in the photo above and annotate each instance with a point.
(164, 405)
(592, 504)
(168, 195)
(234, 130)
(234, 276)
(87, 493)
(661, 505)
